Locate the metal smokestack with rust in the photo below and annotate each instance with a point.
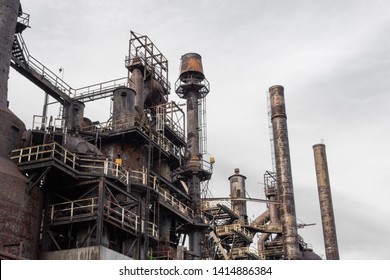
(237, 192)
(283, 173)
(193, 86)
(326, 205)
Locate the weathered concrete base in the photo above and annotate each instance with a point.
(85, 253)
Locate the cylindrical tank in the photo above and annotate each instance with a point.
(237, 190)
(123, 107)
(191, 67)
(74, 115)
(283, 173)
(326, 205)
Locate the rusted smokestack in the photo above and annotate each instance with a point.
(237, 190)
(326, 205)
(283, 173)
(193, 86)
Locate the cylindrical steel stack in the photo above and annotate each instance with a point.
(284, 174)
(190, 86)
(237, 191)
(326, 205)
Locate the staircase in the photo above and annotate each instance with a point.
(36, 72)
(17, 53)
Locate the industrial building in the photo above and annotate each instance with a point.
(133, 187)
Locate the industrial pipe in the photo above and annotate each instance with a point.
(326, 205)
(283, 173)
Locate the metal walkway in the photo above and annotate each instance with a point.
(24, 63)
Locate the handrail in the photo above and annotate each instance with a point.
(46, 73)
(228, 229)
(87, 91)
(75, 161)
(23, 18)
(108, 86)
(175, 203)
(85, 163)
(207, 204)
(126, 122)
(268, 227)
(70, 210)
(240, 251)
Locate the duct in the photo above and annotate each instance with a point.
(262, 219)
(326, 205)
(283, 172)
(148, 93)
(153, 93)
(260, 243)
(81, 146)
(138, 79)
(274, 212)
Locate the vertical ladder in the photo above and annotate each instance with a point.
(202, 126)
(160, 116)
(271, 133)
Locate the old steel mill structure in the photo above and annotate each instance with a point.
(135, 186)
(283, 173)
(326, 205)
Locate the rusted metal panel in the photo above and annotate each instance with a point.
(21, 212)
(326, 204)
(284, 174)
(123, 107)
(73, 115)
(191, 66)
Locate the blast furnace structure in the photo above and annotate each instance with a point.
(130, 187)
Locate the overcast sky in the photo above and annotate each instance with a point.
(332, 57)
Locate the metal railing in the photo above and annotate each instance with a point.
(74, 161)
(243, 251)
(268, 227)
(83, 163)
(230, 229)
(68, 211)
(24, 19)
(127, 122)
(97, 166)
(85, 94)
(175, 203)
(97, 91)
(210, 204)
(71, 210)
